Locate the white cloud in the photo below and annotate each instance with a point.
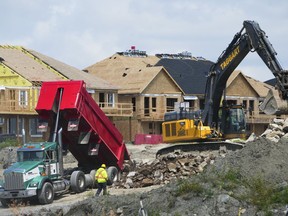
(81, 33)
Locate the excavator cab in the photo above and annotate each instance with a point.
(232, 122)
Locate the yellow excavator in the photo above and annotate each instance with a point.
(218, 120)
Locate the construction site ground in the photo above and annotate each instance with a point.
(194, 183)
(139, 153)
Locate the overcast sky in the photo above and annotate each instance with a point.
(83, 32)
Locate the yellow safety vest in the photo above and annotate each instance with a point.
(101, 175)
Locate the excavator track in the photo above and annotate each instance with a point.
(199, 146)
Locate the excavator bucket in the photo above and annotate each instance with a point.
(273, 104)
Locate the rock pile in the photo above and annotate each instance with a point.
(176, 165)
(277, 129)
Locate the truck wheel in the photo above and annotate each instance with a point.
(92, 173)
(89, 181)
(112, 174)
(5, 203)
(46, 195)
(78, 181)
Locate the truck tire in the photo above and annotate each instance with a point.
(77, 181)
(46, 195)
(92, 173)
(5, 203)
(89, 181)
(112, 174)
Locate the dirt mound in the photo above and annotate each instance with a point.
(260, 158)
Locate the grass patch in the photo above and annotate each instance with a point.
(264, 195)
(255, 190)
(230, 180)
(280, 196)
(186, 187)
(259, 193)
(9, 143)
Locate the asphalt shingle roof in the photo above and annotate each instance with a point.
(188, 73)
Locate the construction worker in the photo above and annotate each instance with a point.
(101, 177)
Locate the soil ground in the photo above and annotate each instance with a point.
(260, 158)
(138, 153)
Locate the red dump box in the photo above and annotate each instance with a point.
(86, 131)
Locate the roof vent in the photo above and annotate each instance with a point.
(133, 53)
(182, 55)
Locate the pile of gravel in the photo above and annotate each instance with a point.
(261, 158)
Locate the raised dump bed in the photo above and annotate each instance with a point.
(87, 132)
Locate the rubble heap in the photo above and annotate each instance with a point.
(176, 165)
(277, 129)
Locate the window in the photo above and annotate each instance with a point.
(101, 99)
(244, 104)
(12, 126)
(111, 99)
(33, 126)
(134, 104)
(30, 156)
(170, 103)
(15, 127)
(20, 125)
(191, 103)
(154, 104)
(50, 155)
(23, 98)
(251, 106)
(231, 102)
(146, 106)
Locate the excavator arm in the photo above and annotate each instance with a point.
(218, 120)
(250, 38)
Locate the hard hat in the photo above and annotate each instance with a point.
(103, 166)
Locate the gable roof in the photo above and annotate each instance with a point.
(75, 74)
(37, 68)
(190, 74)
(133, 74)
(19, 61)
(259, 87)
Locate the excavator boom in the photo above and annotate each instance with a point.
(221, 119)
